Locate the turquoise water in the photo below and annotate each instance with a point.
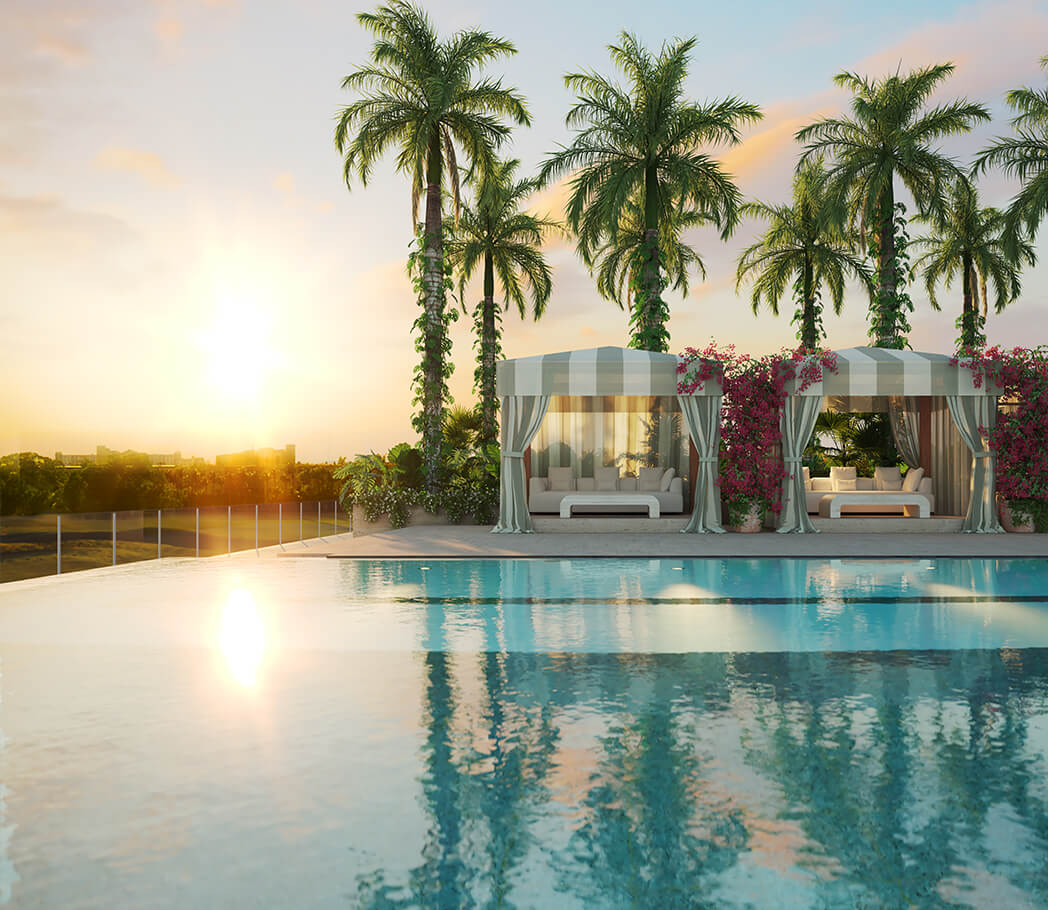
(531, 733)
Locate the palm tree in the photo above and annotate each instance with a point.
(640, 146)
(419, 97)
(1025, 156)
(810, 240)
(970, 240)
(617, 262)
(505, 241)
(890, 134)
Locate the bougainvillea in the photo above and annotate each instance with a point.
(1019, 438)
(751, 464)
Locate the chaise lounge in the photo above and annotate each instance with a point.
(609, 493)
(887, 492)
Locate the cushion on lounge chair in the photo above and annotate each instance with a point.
(839, 474)
(650, 479)
(887, 478)
(607, 479)
(913, 480)
(561, 479)
(667, 479)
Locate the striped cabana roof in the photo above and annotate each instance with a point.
(593, 371)
(867, 371)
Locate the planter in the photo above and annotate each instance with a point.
(1009, 524)
(416, 516)
(751, 523)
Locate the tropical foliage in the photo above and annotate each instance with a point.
(637, 152)
(860, 440)
(891, 134)
(419, 95)
(809, 242)
(1018, 439)
(495, 235)
(32, 484)
(969, 240)
(1024, 155)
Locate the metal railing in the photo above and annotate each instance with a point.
(32, 546)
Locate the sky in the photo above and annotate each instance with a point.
(183, 268)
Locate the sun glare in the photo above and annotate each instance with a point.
(242, 637)
(237, 342)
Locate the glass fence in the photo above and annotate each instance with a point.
(36, 545)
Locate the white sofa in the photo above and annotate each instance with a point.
(669, 490)
(816, 488)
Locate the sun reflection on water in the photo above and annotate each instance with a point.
(243, 637)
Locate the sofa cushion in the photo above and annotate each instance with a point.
(913, 480)
(586, 484)
(807, 478)
(562, 479)
(607, 479)
(536, 486)
(864, 483)
(887, 478)
(839, 474)
(667, 479)
(628, 484)
(650, 480)
(844, 484)
(822, 485)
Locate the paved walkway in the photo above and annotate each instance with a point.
(466, 541)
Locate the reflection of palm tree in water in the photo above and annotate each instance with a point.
(648, 838)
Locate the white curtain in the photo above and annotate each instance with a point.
(521, 417)
(904, 418)
(702, 417)
(797, 424)
(969, 413)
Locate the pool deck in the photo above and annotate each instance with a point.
(472, 542)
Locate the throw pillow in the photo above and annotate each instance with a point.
(913, 480)
(561, 479)
(607, 479)
(667, 479)
(807, 478)
(649, 480)
(846, 483)
(887, 479)
(839, 474)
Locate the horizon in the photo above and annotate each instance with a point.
(187, 271)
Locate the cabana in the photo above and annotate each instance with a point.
(910, 380)
(526, 385)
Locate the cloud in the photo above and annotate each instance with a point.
(284, 184)
(168, 29)
(68, 51)
(133, 161)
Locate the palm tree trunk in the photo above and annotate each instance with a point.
(809, 332)
(886, 330)
(649, 333)
(433, 343)
(969, 306)
(488, 343)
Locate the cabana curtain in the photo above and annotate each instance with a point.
(702, 418)
(905, 423)
(797, 424)
(521, 416)
(969, 414)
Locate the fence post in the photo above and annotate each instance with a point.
(318, 519)
(334, 516)
(114, 538)
(198, 533)
(159, 530)
(256, 529)
(229, 529)
(300, 521)
(59, 545)
(280, 524)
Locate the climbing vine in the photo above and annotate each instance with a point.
(487, 342)
(433, 343)
(808, 315)
(649, 314)
(889, 322)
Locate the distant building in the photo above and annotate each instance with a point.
(258, 458)
(103, 455)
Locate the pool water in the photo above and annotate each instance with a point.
(527, 733)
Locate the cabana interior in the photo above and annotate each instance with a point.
(618, 408)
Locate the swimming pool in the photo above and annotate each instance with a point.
(527, 733)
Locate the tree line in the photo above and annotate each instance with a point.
(32, 484)
(641, 173)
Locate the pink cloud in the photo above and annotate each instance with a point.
(133, 161)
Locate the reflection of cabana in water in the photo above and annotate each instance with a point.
(915, 387)
(627, 379)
